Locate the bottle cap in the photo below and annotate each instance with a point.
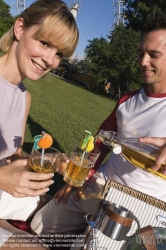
(117, 149)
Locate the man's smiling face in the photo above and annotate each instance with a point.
(152, 57)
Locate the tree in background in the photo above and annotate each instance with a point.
(97, 56)
(123, 68)
(115, 60)
(6, 19)
(137, 11)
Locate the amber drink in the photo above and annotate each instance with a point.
(80, 165)
(46, 164)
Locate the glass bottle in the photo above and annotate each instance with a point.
(141, 155)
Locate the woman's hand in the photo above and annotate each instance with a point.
(16, 180)
(161, 158)
(63, 193)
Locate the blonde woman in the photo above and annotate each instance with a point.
(41, 36)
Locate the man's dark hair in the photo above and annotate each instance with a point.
(155, 22)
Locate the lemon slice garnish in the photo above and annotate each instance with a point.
(88, 143)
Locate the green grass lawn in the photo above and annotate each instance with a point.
(65, 111)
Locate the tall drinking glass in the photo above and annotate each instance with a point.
(79, 166)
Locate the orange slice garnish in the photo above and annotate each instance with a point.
(46, 141)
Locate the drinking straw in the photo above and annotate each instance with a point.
(42, 157)
(82, 157)
(42, 141)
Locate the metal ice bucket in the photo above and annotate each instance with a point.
(117, 222)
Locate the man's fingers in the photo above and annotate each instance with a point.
(153, 140)
(59, 195)
(80, 191)
(62, 164)
(67, 193)
(164, 171)
(78, 194)
(63, 194)
(65, 158)
(161, 159)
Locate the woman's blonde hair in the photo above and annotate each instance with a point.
(57, 26)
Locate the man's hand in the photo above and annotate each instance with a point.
(62, 164)
(63, 193)
(161, 158)
(16, 180)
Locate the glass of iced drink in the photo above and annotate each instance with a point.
(44, 163)
(80, 164)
